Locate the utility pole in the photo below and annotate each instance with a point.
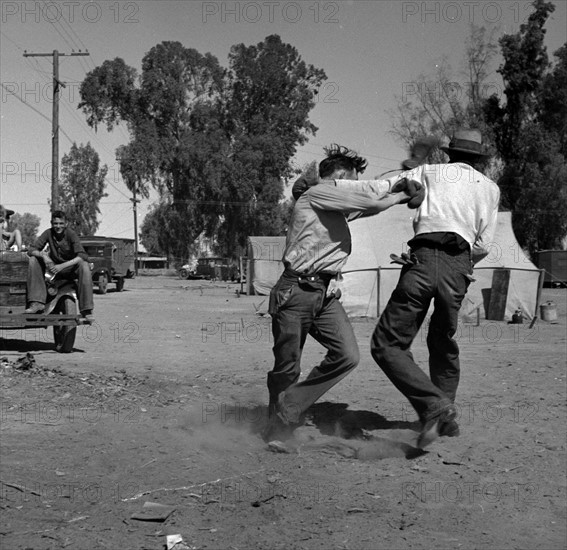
(134, 203)
(55, 121)
(134, 182)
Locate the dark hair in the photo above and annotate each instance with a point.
(473, 160)
(58, 214)
(341, 158)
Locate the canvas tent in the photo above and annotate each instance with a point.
(505, 275)
(264, 265)
(506, 280)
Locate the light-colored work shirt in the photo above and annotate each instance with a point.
(318, 239)
(458, 199)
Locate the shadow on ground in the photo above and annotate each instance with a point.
(25, 346)
(332, 428)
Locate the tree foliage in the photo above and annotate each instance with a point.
(438, 102)
(28, 224)
(152, 234)
(530, 133)
(172, 111)
(82, 187)
(271, 92)
(216, 143)
(553, 105)
(526, 125)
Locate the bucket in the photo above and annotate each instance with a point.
(548, 312)
(518, 317)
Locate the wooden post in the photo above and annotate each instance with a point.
(248, 278)
(378, 292)
(538, 299)
(498, 294)
(241, 274)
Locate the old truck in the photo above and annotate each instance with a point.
(61, 311)
(212, 268)
(113, 260)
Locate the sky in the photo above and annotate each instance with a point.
(371, 51)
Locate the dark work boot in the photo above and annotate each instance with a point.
(431, 429)
(449, 429)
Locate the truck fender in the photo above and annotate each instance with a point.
(53, 303)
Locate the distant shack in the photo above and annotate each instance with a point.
(153, 262)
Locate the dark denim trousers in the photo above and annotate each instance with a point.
(298, 309)
(37, 291)
(443, 278)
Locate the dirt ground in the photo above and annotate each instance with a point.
(163, 399)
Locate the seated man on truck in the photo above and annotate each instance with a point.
(67, 257)
(9, 238)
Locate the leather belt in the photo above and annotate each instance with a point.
(310, 277)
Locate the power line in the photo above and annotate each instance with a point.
(47, 74)
(86, 127)
(72, 142)
(121, 216)
(7, 37)
(43, 203)
(83, 46)
(37, 69)
(75, 38)
(34, 109)
(71, 43)
(364, 154)
(55, 120)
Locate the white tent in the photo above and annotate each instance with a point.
(506, 280)
(264, 264)
(370, 278)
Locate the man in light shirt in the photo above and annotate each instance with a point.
(453, 226)
(318, 244)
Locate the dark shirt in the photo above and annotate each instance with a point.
(61, 249)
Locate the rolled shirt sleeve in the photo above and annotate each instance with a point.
(376, 187)
(336, 199)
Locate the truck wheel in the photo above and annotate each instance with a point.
(120, 284)
(64, 336)
(183, 274)
(102, 283)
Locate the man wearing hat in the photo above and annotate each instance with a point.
(453, 226)
(9, 238)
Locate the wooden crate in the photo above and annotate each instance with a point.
(13, 278)
(13, 266)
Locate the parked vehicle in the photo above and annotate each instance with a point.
(113, 260)
(186, 272)
(60, 307)
(213, 268)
